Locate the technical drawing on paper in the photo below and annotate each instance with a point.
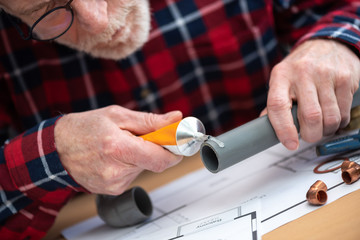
(278, 177)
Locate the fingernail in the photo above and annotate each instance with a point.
(291, 145)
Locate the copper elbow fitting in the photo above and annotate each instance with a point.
(317, 195)
(347, 164)
(350, 172)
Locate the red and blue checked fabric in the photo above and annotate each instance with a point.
(208, 58)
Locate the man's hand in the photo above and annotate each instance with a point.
(101, 152)
(321, 76)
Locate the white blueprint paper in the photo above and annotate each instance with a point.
(278, 178)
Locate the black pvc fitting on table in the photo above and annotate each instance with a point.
(130, 208)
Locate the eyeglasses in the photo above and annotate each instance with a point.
(51, 25)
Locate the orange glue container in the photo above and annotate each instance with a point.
(182, 138)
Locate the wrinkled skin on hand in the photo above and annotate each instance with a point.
(101, 151)
(321, 76)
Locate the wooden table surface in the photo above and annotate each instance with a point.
(337, 220)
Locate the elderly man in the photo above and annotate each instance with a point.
(76, 86)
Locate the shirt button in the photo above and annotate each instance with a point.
(145, 93)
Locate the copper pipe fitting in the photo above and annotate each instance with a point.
(316, 194)
(350, 172)
(347, 164)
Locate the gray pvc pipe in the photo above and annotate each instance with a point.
(130, 208)
(245, 141)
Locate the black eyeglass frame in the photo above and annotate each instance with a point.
(31, 35)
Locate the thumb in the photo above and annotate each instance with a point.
(143, 123)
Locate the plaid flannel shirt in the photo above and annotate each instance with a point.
(208, 58)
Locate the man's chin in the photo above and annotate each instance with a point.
(130, 40)
(115, 50)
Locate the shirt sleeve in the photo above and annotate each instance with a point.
(34, 184)
(328, 19)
